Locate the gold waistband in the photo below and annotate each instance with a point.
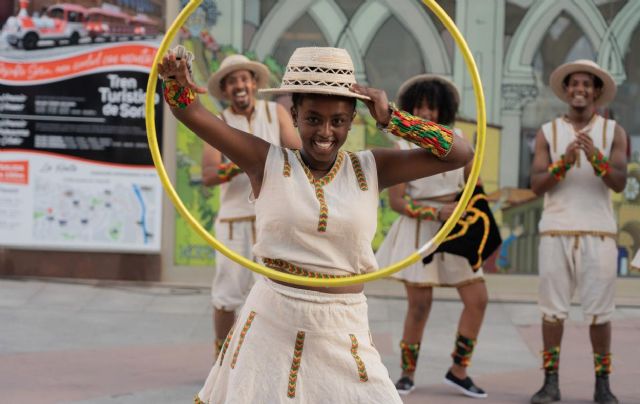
(238, 219)
(578, 233)
(285, 266)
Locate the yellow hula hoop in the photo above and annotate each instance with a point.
(427, 249)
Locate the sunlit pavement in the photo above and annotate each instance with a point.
(106, 342)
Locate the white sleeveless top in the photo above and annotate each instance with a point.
(234, 195)
(447, 183)
(292, 225)
(581, 201)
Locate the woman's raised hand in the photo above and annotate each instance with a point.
(378, 105)
(176, 65)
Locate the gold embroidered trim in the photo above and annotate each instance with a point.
(554, 136)
(266, 108)
(243, 334)
(578, 233)
(295, 364)
(225, 345)
(196, 400)
(318, 184)
(286, 169)
(296, 270)
(472, 216)
(362, 370)
(357, 168)
(604, 136)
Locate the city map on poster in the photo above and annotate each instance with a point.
(95, 213)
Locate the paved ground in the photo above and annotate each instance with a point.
(103, 343)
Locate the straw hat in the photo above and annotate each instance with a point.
(233, 63)
(319, 71)
(429, 77)
(609, 87)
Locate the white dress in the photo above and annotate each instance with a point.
(407, 235)
(291, 345)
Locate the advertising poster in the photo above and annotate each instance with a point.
(75, 168)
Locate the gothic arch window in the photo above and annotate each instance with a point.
(391, 57)
(349, 7)
(625, 107)
(610, 8)
(303, 32)
(564, 41)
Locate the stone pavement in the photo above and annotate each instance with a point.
(113, 342)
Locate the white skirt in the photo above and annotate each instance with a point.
(296, 346)
(404, 238)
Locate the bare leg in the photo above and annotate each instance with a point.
(552, 334)
(419, 302)
(474, 296)
(222, 322)
(601, 338)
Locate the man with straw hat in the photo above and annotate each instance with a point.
(236, 82)
(423, 205)
(579, 158)
(316, 215)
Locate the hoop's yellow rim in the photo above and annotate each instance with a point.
(426, 249)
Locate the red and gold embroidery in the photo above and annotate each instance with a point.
(225, 345)
(318, 184)
(286, 170)
(243, 334)
(295, 364)
(296, 270)
(196, 400)
(357, 168)
(362, 370)
(472, 216)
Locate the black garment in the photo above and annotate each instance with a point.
(466, 238)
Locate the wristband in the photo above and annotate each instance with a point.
(177, 96)
(559, 168)
(438, 139)
(226, 171)
(600, 163)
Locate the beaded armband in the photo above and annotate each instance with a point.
(602, 363)
(420, 212)
(226, 171)
(177, 96)
(438, 139)
(559, 168)
(551, 359)
(409, 355)
(600, 163)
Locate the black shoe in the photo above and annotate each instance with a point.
(550, 391)
(464, 386)
(405, 385)
(603, 394)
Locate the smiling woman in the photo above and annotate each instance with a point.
(316, 211)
